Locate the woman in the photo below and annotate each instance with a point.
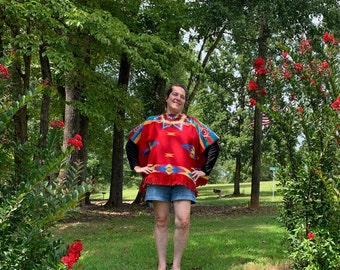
(175, 153)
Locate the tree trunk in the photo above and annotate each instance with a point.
(46, 99)
(116, 187)
(257, 137)
(2, 32)
(240, 122)
(71, 124)
(159, 93)
(20, 83)
(237, 176)
(256, 166)
(139, 198)
(82, 154)
(20, 118)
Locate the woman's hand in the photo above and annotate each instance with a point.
(146, 170)
(197, 174)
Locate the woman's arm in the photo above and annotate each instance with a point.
(132, 155)
(211, 154)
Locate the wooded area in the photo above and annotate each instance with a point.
(106, 64)
(102, 67)
(109, 62)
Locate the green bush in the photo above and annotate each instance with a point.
(303, 102)
(30, 208)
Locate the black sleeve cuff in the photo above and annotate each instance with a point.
(211, 154)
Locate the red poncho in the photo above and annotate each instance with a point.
(173, 145)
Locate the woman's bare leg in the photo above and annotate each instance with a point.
(181, 235)
(162, 218)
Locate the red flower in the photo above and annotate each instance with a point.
(4, 74)
(75, 249)
(287, 74)
(263, 92)
(284, 54)
(252, 102)
(310, 236)
(259, 65)
(69, 260)
(78, 137)
(298, 67)
(57, 124)
(252, 85)
(324, 64)
(77, 245)
(73, 254)
(300, 109)
(260, 71)
(336, 104)
(305, 46)
(327, 38)
(76, 142)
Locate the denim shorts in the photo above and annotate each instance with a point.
(169, 193)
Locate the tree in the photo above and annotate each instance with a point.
(103, 43)
(116, 187)
(46, 98)
(279, 19)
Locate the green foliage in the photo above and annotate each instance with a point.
(9, 108)
(319, 252)
(301, 89)
(29, 209)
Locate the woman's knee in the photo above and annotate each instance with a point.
(182, 223)
(162, 221)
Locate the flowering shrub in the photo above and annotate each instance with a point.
(315, 252)
(29, 208)
(302, 102)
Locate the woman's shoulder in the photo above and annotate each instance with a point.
(193, 120)
(152, 117)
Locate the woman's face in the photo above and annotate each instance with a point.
(176, 100)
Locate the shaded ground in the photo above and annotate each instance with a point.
(97, 210)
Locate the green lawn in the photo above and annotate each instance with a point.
(227, 238)
(206, 195)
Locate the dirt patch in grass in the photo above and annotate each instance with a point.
(251, 266)
(97, 210)
(217, 210)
